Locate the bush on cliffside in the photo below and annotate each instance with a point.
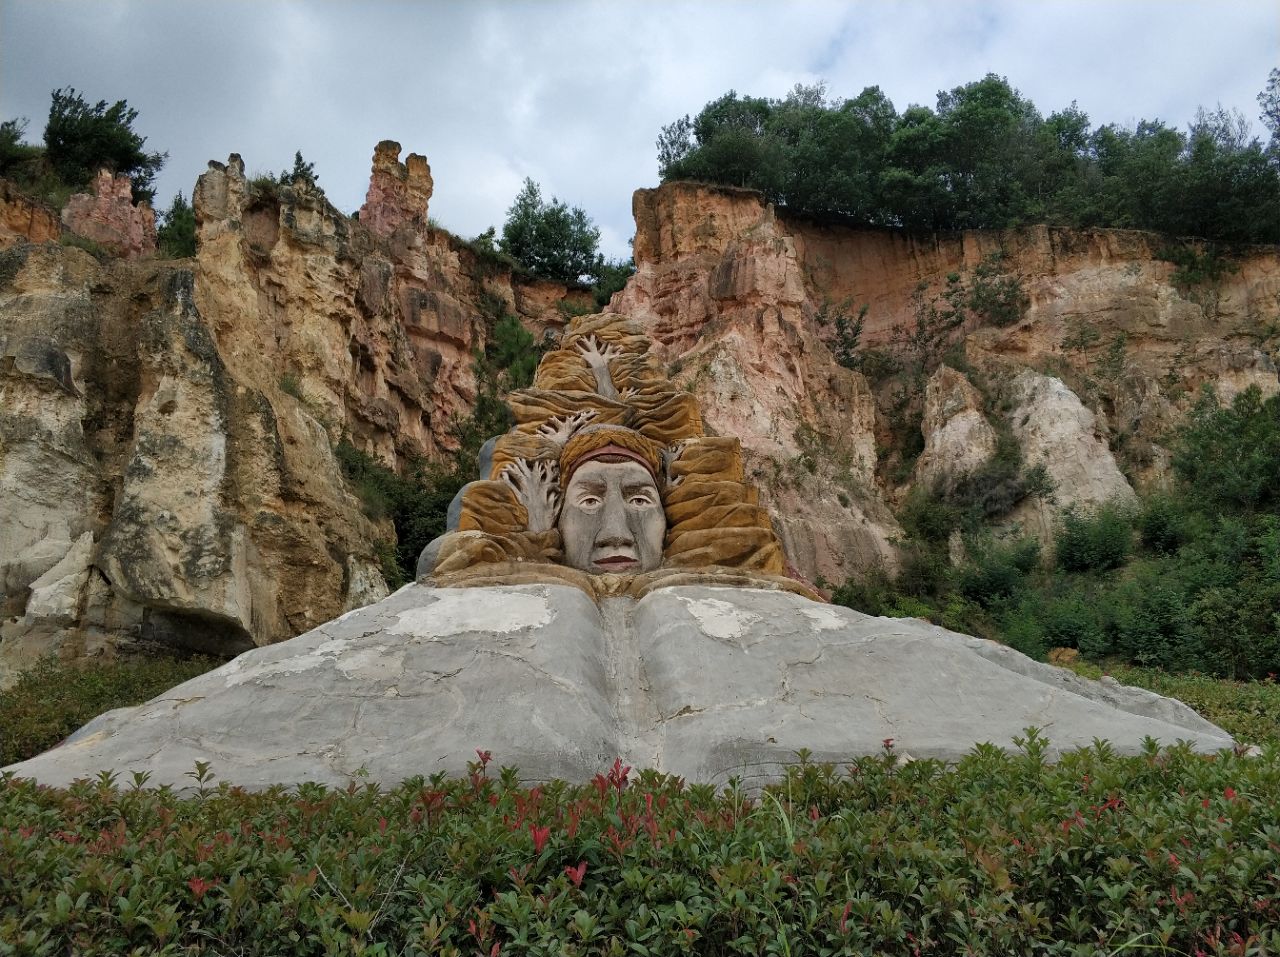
(51, 700)
(176, 237)
(81, 138)
(550, 239)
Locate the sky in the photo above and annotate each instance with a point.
(574, 94)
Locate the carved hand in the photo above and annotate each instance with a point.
(537, 486)
(598, 359)
(560, 429)
(669, 456)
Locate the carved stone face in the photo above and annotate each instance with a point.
(612, 519)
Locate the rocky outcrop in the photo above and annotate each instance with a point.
(23, 218)
(109, 217)
(152, 498)
(167, 473)
(398, 192)
(740, 298)
(1055, 430)
(704, 683)
(720, 286)
(958, 439)
(375, 338)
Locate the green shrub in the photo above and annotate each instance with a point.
(1072, 621)
(1096, 542)
(999, 854)
(16, 157)
(1021, 630)
(550, 239)
(1230, 456)
(81, 138)
(928, 517)
(176, 237)
(1163, 523)
(417, 502)
(611, 277)
(290, 385)
(994, 295)
(997, 571)
(91, 246)
(51, 700)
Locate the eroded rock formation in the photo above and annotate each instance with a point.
(182, 415)
(741, 300)
(167, 473)
(110, 218)
(398, 192)
(23, 218)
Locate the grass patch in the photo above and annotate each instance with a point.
(1248, 710)
(92, 247)
(52, 699)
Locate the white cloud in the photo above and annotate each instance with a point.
(574, 94)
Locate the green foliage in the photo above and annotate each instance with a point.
(91, 246)
(983, 157)
(1163, 523)
(513, 353)
(51, 700)
(1196, 589)
(550, 239)
(994, 295)
(417, 503)
(14, 153)
(176, 237)
(1098, 541)
(81, 138)
(1269, 101)
(1230, 456)
(1197, 264)
(1248, 710)
(492, 260)
(997, 571)
(1001, 853)
(845, 344)
(611, 277)
(302, 173)
(290, 385)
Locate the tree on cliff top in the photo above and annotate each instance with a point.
(80, 139)
(985, 158)
(551, 240)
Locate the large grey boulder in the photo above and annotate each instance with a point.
(702, 682)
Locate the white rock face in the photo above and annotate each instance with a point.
(706, 683)
(958, 439)
(1056, 430)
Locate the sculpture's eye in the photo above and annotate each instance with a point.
(589, 501)
(640, 499)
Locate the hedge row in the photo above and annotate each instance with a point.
(1002, 853)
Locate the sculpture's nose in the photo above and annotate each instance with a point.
(613, 526)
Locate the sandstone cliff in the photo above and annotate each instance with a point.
(1107, 353)
(167, 474)
(166, 428)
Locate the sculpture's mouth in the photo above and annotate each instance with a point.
(616, 563)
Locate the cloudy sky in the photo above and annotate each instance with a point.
(574, 94)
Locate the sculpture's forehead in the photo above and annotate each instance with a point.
(605, 473)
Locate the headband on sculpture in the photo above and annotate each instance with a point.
(597, 441)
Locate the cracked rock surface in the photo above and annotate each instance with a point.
(701, 682)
